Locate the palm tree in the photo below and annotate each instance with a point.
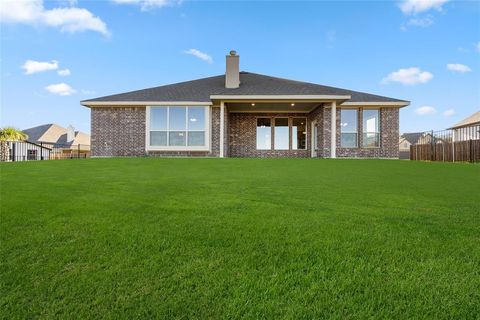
(9, 134)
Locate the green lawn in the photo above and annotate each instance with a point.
(239, 238)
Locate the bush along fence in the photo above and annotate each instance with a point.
(11, 151)
(452, 145)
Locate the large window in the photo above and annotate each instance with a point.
(371, 128)
(281, 137)
(348, 128)
(264, 134)
(178, 127)
(299, 134)
(288, 133)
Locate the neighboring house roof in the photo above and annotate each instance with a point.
(412, 137)
(250, 84)
(54, 134)
(470, 120)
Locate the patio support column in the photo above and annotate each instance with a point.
(333, 133)
(222, 127)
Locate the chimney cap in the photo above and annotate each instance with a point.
(233, 52)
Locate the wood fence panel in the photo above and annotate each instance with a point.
(465, 151)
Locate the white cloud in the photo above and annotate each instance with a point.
(62, 89)
(457, 67)
(449, 112)
(425, 110)
(64, 72)
(199, 54)
(478, 46)
(146, 5)
(421, 22)
(68, 19)
(87, 92)
(416, 6)
(31, 66)
(408, 76)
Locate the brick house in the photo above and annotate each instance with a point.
(243, 114)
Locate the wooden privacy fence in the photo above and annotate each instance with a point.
(453, 145)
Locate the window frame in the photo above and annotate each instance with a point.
(379, 128)
(357, 138)
(186, 147)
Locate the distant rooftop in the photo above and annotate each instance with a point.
(472, 119)
(52, 133)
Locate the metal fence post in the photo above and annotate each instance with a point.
(78, 151)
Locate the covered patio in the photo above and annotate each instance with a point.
(289, 127)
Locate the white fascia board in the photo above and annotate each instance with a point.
(143, 103)
(280, 97)
(376, 103)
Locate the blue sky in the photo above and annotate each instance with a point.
(425, 51)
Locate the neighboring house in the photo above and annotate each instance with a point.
(243, 114)
(65, 141)
(405, 141)
(468, 128)
(26, 151)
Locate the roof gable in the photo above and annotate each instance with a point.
(53, 133)
(472, 119)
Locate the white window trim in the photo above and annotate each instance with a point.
(206, 147)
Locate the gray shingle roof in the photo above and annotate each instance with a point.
(412, 137)
(250, 84)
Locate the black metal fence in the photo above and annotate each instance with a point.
(453, 145)
(30, 151)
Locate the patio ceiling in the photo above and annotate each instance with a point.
(271, 106)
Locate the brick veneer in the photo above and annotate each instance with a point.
(389, 126)
(120, 131)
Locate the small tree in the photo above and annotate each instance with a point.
(9, 134)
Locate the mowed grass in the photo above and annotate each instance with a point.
(239, 238)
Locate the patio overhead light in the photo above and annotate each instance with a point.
(253, 104)
(293, 104)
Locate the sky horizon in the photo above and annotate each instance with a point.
(56, 53)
